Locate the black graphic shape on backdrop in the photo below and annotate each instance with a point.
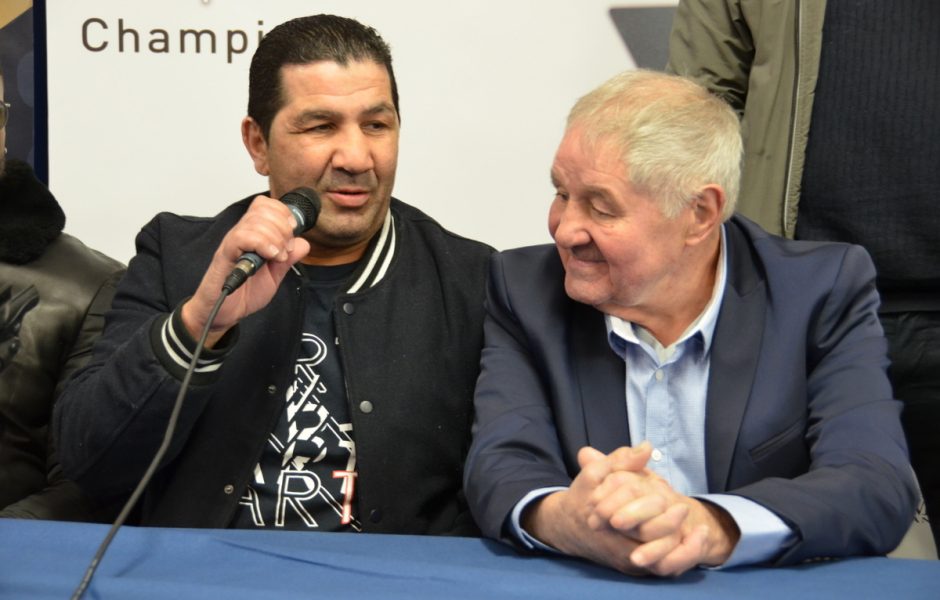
(645, 31)
(16, 52)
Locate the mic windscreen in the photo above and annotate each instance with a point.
(305, 204)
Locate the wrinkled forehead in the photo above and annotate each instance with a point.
(581, 150)
(331, 78)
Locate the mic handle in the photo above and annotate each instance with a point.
(249, 262)
(246, 266)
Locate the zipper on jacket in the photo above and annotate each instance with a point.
(784, 225)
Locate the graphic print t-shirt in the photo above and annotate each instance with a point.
(306, 477)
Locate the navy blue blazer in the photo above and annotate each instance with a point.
(800, 415)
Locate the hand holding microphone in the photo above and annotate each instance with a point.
(304, 203)
(263, 226)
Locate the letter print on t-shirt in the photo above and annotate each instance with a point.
(307, 474)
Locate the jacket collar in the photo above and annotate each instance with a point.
(378, 256)
(375, 262)
(600, 378)
(735, 353)
(30, 217)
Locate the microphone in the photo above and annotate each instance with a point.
(304, 203)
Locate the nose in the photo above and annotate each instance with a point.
(566, 223)
(353, 153)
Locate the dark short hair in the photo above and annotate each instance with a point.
(306, 40)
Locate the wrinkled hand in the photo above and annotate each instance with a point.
(620, 514)
(673, 532)
(267, 229)
(561, 519)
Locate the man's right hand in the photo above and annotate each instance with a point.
(565, 519)
(620, 514)
(267, 229)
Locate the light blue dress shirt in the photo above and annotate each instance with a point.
(666, 389)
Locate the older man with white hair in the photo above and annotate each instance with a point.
(669, 386)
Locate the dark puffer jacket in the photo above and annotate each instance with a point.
(75, 285)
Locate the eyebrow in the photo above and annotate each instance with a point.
(589, 190)
(379, 108)
(594, 191)
(320, 114)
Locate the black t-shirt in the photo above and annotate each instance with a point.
(306, 476)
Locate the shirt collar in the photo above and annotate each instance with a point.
(620, 332)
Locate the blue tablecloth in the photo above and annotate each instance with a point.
(42, 559)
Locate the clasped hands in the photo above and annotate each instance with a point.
(618, 513)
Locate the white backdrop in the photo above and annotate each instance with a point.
(485, 86)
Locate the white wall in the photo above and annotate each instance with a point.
(485, 87)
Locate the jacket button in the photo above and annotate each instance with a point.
(272, 389)
(228, 489)
(365, 406)
(375, 515)
(349, 308)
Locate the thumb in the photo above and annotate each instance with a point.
(588, 455)
(631, 459)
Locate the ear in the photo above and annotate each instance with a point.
(256, 145)
(705, 214)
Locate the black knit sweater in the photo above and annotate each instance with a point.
(872, 171)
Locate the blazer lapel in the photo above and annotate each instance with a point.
(600, 380)
(735, 352)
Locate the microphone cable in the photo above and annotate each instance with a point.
(164, 446)
(304, 204)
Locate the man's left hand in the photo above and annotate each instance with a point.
(676, 533)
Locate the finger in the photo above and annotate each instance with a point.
(671, 520)
(616, 491)
(613, 481)
(596, 523)
(275, 208)
(686, 555)
(630, 459)
(299, 249)
(587, 455)
(632, 514)
(648, 555)
(257, 238)
(593, 470)
(266, 229)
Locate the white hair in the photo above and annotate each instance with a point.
(673, 135)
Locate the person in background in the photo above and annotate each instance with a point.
(670, 386)
(840, 105)
(12, 310)
(336, 390)
(74, 285)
